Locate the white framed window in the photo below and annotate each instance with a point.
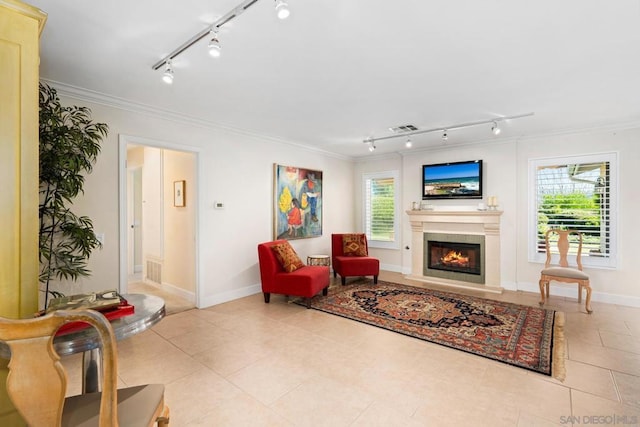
(380, 210)
(578, 193)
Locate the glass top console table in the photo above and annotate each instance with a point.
(149, 310)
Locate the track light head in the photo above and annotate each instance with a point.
(167, 76)
(282, 9)
(495, 129)
(408, 144)
(214, 45)
(372, 145)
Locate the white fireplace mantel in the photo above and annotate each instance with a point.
(484, 223)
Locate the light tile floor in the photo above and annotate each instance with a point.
(173, 303)
(249, 363)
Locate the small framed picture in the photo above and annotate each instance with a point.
(178, 193)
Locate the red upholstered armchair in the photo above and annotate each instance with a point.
(350, 257)
(304, 281)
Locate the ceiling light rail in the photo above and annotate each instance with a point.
(282, 11)
(446, 129)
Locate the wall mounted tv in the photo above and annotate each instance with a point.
(459, 180)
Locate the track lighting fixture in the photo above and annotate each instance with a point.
(409, 130)
(372, 146)
(282, 9)
(214, 44)
(167, 76)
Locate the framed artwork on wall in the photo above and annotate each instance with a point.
(297, 202)
(178, 194)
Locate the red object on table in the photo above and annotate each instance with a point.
(122, 310)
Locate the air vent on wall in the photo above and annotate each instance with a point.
(403, 128)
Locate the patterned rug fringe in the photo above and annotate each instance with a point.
(557, 366)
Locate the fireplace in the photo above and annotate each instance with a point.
(457, 226)
(457, 257)
(454, 256)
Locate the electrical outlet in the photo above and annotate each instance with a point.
(100, 237)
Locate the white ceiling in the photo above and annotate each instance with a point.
(338, 71)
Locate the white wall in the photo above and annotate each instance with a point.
(506, 176)
(234, 168)
(237, 169)
(179, 258)
(152, 204)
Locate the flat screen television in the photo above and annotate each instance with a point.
(459, 180)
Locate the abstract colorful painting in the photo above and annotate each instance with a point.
(297, 202)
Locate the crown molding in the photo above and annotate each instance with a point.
(87, 95)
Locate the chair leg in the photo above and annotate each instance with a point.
(587, 304)
(334, 274)
(267, 297)
(325, 291)
(375, 280)
(542, 289)
(344, 281)
(163, 420)
(579, 293)
(308, 301)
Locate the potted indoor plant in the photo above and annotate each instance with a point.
(69, 147)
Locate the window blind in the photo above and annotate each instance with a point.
(576, 197)
(380, 209)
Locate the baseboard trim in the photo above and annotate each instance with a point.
(571, 291)
(230, 295)
(173, 290)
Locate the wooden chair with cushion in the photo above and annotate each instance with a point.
(563, 272)
(37, 381)
(350, 257)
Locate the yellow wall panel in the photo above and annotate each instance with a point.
(20, 27)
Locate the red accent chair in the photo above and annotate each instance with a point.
(347, 266)
(306, 281)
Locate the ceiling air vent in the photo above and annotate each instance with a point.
(403, 129)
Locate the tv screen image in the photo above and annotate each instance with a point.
(459, 180)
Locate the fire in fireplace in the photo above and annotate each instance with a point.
(454, 256)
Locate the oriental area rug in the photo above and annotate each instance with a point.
(523, 336)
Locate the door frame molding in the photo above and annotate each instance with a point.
(123, 141)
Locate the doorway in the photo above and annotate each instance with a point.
(158, 250)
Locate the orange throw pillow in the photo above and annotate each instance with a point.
(288, 258)
(354, 245)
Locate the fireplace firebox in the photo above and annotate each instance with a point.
(458, 257)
